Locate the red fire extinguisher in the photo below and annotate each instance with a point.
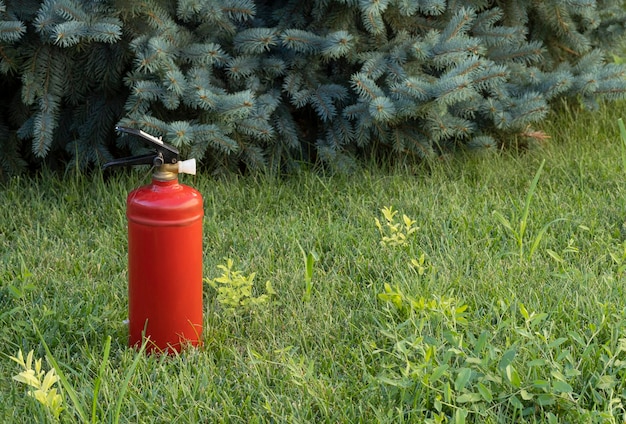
(164, 252)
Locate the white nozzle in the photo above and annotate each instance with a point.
(187, 167)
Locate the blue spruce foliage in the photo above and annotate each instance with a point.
(63, 65)
(270, 84)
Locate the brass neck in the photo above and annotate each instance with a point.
(166, 172)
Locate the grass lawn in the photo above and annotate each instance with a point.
(492, 306)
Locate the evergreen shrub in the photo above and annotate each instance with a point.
(269, 84)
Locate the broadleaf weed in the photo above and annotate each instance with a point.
(435, 362)
(446, 307)
(420, 265)
(394, 233)
(47, 395)
(397, 235)
(234, 289)
(41, 382)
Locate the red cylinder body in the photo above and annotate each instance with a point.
(165, 266)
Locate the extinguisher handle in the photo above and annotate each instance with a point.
(149, 159)
(164, 153)
(167, 152)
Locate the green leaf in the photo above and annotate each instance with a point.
(541, 384)
(554, 255)
(513, 400)
(27, 377)
(485, 392)
(557, 342)
(15, 292)
(139, 355)
(545, 399)
(480, 343)
(404, 383)
(561, 387)
(469, 398)
(524, 312)
(311, 258)
(507, 358)
(538, 318)
(513, 376)
(552, 419)
(606, 382)
(462, 379)
(460, 415)
(447, 392)
(438, 372)
(525, 395)
(577, 338)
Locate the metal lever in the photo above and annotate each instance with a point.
(148, 159)
(164, 153)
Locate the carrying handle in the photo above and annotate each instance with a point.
(164, 153)
(170, 153)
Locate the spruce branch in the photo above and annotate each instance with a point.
(271, 83)
(373, 22)
(525, 53)
(432, 7)
(365, 87)
(256, 40)
(11, 31)
(412, 88)
(216, 138)
(69, 33)
(204, 54)
(382, 109)
(459, 25)
(257, 127)
(322, 99)
(337, 44)
(373, 6)
(239, 10)
(242, 67)
(180, 133)
(301, 41)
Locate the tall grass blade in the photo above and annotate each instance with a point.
(129, 374)
(529, 197)
(539, 236)
(98, 382)
(309, 260)
(505, 223)
(64, 381)
(622, 131)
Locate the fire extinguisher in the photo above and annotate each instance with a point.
(164, 252)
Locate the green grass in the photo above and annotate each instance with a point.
(469, 321)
